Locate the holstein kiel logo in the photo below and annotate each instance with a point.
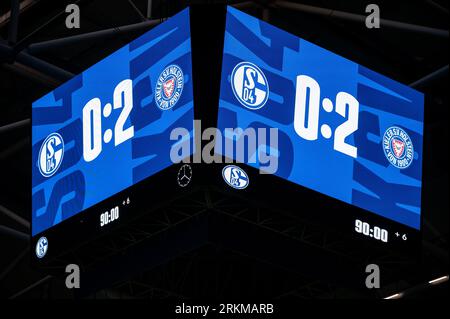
(169, 87)
(51, 154)
(398, 147)
(249, 85)
(235, 176)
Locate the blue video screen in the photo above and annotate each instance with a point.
(109, 127)
(343, 130)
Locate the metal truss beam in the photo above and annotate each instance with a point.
(14, 217)
(13, 264)
(15, 125)
(23, 42)
(31, 74)
(139, 13)
(245, 4)
(149, 9)
(31, 287)
(437, 6)
(44, 67)
(14, 148)
(430, 77)
(14, 233)
(360, 18)
(9, 55)
(14, 21)
(91, 36)
(24, 5)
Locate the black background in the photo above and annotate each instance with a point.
(273, 241)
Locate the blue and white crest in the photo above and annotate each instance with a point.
(235, 177)
(398, 147)
(169, 87)
(41, 247)
(250, 86)
(51, 154)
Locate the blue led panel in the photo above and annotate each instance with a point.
(109, 127)
(344, 130)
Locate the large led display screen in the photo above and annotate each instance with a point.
(343, 130)
(109, 127)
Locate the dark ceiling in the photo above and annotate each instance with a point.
(403, 55)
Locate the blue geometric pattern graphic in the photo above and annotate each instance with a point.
(331, 114)
(114, 133)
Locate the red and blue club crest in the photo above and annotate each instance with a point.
(398, 147)
(169, 87)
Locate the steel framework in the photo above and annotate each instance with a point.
(18, 55)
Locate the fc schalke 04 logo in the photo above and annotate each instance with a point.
(398, 147)
(41, 247)
(235, 176)
(169, 87)
(250, 85)
(51, 154)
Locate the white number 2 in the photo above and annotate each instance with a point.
(348, 127)
(123, 97)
